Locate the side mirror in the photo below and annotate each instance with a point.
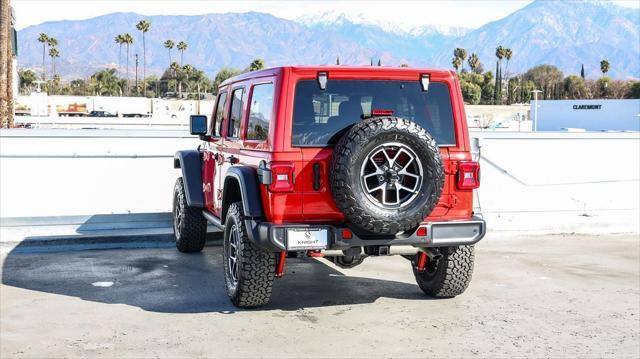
(198, 125)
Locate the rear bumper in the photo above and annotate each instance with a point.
(438, 234)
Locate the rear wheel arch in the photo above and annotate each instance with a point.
(241, 184)
(190, 163)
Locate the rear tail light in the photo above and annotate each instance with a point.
(468, 175)
(421, 232)
(281, 177)
(346, 234)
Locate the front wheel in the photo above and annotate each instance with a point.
(248, 270)
(449, 275)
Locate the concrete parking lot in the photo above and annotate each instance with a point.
(553, 296)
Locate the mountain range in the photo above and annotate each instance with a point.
(563, 33)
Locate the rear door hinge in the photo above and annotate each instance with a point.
(449, 200)
(450, 167)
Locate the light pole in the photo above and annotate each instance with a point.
(535, 103)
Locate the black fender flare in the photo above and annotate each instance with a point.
(247, 178)
(191, 164)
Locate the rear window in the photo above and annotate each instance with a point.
(260, 112)
(320, 118)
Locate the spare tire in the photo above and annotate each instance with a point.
(386, 175)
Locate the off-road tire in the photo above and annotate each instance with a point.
(256, 267)
(448, 276)
(352, 150)
(189, 225)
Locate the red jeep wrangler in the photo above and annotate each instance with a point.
(338, 162)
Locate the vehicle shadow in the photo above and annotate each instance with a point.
(162, 280)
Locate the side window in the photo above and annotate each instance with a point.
(260, 111)
(236, 113)
(217, 120)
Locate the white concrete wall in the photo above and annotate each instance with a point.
(75, 172)
(551, 177)
(560, 180)
(590, 115)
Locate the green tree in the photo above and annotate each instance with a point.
(575, 87)
(582, 71)
(27, 79)
(471, 92)
(379, 62)
(119, 39)
(488, 89)
(456, 62)
(337, 60)
(604, 87)
(44, 39)
(182, 47)
(604, 67)
(546, 78)
(634, 90)
(474, 63)
(144, 26)
(169, 44)
(105, 83)
(224, 74)
(258, 64)
(461, 54)
(175, 69)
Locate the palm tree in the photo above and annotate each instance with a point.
(456, 62)
(43, 38)
(53, 53)
(182, 46)
(461, 54)
(169, 44)
(500, 54)
(175, 68)
(144, 26)
(604, 67)
(119, 39)
(105, 83)
(258, 64)
(507, 55)
(52, 42)
(474, 62)
(128, 41)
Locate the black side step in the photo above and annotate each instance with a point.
(212, 219)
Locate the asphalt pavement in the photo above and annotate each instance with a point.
(534, 296)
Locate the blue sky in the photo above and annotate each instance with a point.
(404, 14)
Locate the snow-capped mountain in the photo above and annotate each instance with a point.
(562, 33)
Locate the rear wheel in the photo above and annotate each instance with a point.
(189, 226)
(449, 275)
(248, 270)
